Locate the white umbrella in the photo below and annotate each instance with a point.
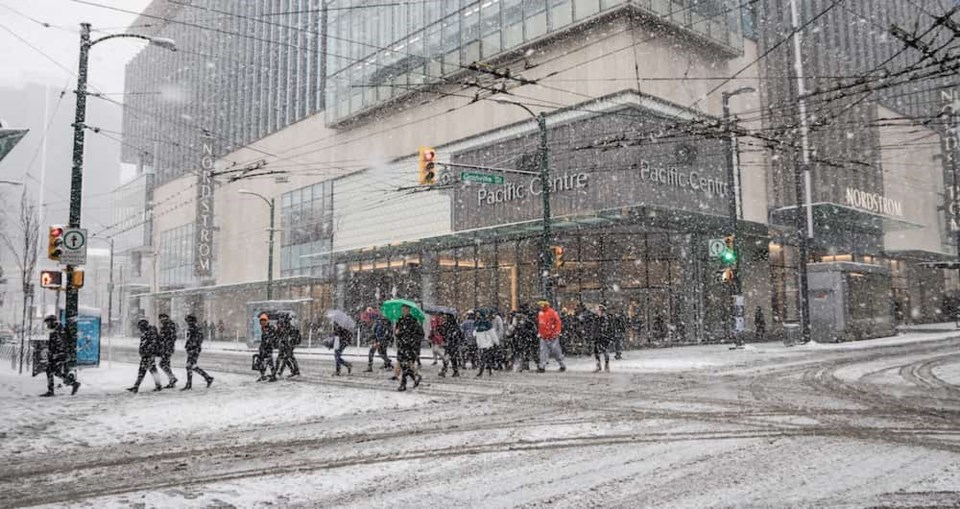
(342, 319)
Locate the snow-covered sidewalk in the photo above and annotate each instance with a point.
(103, 413)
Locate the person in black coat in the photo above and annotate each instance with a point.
(453, 339)
(289, 338)
(268, 341)
(409, 338)
(58, 354)
(193, 346)
(381, 340)
(601, 330)
(149, 348)
(344, 338)
(524, 338)
(168, 343)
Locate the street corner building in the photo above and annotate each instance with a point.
(649, 111)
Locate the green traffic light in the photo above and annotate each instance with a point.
(728, 257)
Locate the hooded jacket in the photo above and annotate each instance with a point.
(549, 325)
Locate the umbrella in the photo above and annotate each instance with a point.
(342, 319)
(440, 310)
(391, 310)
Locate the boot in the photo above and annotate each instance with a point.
(403, 384)
(349, 368)
(76, 387)
(416, 381)
(480, 373)
(369, 369)
(47, 394)
(606, 366)
(209, 382)
(442, 373)
(158, 388)
(455, 374)
(172, 384)
(598, 367)
(187, 387)
(133, 389)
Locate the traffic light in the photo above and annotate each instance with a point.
(427, 166)
(558, 260)
(55, 243)
(729, 255)
(726, 276)
(51, 279)
(77, 280)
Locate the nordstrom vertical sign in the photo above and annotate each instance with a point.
(203, 242)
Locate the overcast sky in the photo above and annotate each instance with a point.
(19, 63)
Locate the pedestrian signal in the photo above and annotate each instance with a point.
(726, 276)
(77, 280)
(52, 279)
(55, 243)
(427, 166)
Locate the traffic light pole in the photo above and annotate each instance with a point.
(736, 289)
(72, 301)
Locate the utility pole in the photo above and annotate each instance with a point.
(804, 218)
(72, 300)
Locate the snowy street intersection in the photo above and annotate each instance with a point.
(870, 424)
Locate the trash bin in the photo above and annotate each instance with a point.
(791, 333)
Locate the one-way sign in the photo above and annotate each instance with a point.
(74, 246)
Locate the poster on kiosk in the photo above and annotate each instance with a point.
(88, 336)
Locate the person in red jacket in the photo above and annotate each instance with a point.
(549, 327)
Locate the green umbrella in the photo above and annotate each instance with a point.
(391, 310)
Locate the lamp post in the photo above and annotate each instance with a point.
(546, 256)
(270, 203)
(76, 175)
(736, 289)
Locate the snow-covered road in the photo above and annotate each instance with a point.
(869, 424)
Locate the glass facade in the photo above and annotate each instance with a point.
(175, 263)
(306, 238)
(242, 70)
(386, 50)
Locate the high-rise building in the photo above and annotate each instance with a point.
(630, 94)
(875, 75)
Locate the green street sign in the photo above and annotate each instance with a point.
(482, 178)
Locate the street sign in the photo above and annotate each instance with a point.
(74, 246)
(482, 178)
(717, 247)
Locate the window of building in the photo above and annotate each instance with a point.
(176, 254)
(306, 235)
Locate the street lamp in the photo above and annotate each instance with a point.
(270, 203)
(545, 254)
(736, 289)
(76, 175)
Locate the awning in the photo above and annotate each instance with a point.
(9, 139)
(842, 216)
